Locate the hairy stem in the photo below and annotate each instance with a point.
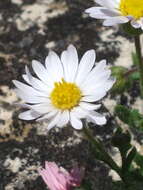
(129, 72)
(140, 62)
(105, 157)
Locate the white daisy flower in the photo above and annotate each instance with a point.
(118, 12)
(65, 90)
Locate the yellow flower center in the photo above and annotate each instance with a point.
(132, 8)
(65, 95)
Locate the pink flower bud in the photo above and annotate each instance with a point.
(59, 179)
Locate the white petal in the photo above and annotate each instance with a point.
(70, 62)
(104, 84)
(79, 112)
(42, 108)
(135, 24)
(97, 78)
(89, 106)
(111, 81)
(27, 89)
(28, 115)
(41, 72)
(115, 20)
(54, 121)
(141, 23)
(85, 66)
(100, 69)
(94, 81)
(23, 105)
(102, 13)
(99, 88)
(64, 119)
(97, 118)
(97, 96)
(101, 65)
(27, 77)
(36, 83)
(31, 99)
(108, 3)
(75, 122)
(48, 115)
(54, 66)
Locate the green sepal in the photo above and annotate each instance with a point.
(130, 30)
(123, 113)
(131, 117)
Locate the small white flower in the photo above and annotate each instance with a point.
(118, 12)
(65, 90)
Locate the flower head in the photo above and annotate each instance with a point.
(59, 179)
(65, 90)
(119, 12)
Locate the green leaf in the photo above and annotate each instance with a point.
(121, 83)
(134, 76)
(121, 140)
(123, 113)
(134, 185)
(139, 161)
(132, 117)
(128, 161)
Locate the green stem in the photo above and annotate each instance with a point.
(129, 72)
(140, 62)
(105, 157)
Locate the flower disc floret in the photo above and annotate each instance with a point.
(132, 7)
(65, 95)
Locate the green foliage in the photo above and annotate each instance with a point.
(122, 140)
(139, 161)
(131, 117)
(130, 157)
(118, 185)
(134, 185)
(121, 83)
(125, 77)
(134, 76)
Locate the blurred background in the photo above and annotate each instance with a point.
(28, 30)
